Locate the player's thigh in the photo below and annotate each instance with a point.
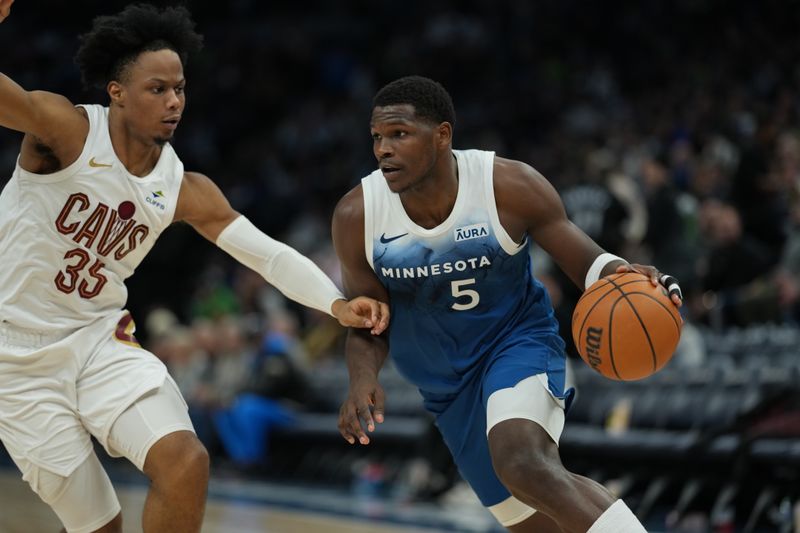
(515, 407)
(536, 523)
(84, 500)
(527, 380)
(147, 420)
(463, 428)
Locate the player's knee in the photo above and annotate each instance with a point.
(527, 471)
(177, 458)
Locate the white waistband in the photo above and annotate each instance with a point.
(31, 338)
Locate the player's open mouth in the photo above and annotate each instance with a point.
(388, 170)
(171, 122)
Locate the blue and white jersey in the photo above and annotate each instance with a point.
(460, 291)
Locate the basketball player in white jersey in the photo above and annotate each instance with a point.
(92, 189)
(443, 235)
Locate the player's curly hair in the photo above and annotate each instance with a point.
(115, 41)
(431, 101)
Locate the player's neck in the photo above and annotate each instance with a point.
(430, 202)
(137, 154)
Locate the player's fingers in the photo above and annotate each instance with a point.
(374, 312)
(367, 309)
(346, 417)
(379, 400)
(673, 288)
(350, 425)
(357, 314)
(383, 320)
(365, 414)
(646, 270)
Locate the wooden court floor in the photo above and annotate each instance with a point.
(22, 512)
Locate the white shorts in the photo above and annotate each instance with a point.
(85, 500)
(59, 388)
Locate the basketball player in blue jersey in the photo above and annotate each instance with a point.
(93, 188)
(444, 235)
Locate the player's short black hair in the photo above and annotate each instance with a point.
(431, 101)
(115, 41)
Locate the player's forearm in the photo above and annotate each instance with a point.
(365, 354)
(14, 105)
(292, 273)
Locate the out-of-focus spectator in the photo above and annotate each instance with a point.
(759, 195)
(735, 270)
(671, 240)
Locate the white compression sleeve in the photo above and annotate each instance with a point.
(292, 273)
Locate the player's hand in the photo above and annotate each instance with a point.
(364, 403)
(362, 312)
(656, 277)
(5, 9)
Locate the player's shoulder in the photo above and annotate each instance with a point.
(195, 183)
(517, 177)
(350, 207)
(193, 176)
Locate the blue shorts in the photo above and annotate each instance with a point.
(462, 419)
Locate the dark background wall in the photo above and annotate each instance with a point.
(279, 100)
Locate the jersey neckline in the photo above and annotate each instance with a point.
(461, 195)
(154, 172)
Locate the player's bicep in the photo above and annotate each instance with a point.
(202, 205)
(347, 229)
(549, 226)
(42, 114)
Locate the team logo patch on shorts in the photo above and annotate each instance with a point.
(124, 331)
(473, 231)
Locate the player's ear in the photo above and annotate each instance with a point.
(444, 134)
(115, 92)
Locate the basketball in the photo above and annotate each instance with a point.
(625, 328)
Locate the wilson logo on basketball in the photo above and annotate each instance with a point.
(594, 338)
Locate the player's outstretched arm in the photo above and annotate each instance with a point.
(50, 118)
(203, 205)
(533, 206)
(365, 354)
(5, 9)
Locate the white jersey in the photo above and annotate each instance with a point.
(68, 240)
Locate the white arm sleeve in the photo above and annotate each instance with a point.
(292, 273)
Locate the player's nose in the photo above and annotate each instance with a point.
(383, 149)
(174, 101)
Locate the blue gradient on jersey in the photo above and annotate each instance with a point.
(437, 347)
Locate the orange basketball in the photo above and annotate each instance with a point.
(625, 328)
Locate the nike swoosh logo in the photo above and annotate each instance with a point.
(95, 164)
(387, 240)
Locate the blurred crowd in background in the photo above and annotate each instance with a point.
(671, 130)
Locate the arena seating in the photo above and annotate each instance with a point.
(681, 439)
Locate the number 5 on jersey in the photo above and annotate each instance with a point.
(456, 287)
